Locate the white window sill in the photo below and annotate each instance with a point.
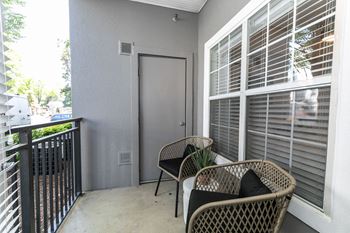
(310, 215)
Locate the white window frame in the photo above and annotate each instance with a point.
(319, 219)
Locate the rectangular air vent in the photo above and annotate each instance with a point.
(124, 158)
(125, 48)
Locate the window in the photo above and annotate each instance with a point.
(225, 80)
(291, 129)
(287, 49)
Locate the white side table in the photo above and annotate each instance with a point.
(187, 188)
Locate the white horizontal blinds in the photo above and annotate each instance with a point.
(281, 19)
(310, 11)
(291, 129)
(256, 126)
(257, 69)
(223, 52)
(214, 83)
(279, 62)
(214, 73)
(214, 58)
(279, 68)
(10, 197)
(297, 47)
(234, 128)
(279, 126)
(310, 143)
(257, 30)
(257, 36)
(236, 45)
(314, 50)
(224, 124)
(225, 64)
(223, 80)
(235, 54)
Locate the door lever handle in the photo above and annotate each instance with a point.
(182, 123)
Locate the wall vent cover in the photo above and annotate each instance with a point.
(124, 158)
(125, 48)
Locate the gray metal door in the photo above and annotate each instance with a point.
(162, 108)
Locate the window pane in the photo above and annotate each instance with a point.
(279, 69)
(309, 169)
(280, 114)
(298, 119)
(281, 19)
(223, 80)
(214, 83)
(224, 51)
(311, 115)
(255, 145)
(309, 11)
(214, 58)
(314, 50)
(256, 69)
(235, 77)
(278, 151)
(224, 124)
(236, 44)
(257, 30)
(256, 110)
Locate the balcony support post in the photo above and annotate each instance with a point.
(77, 158)
(26, 174)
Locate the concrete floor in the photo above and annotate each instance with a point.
(125, 210)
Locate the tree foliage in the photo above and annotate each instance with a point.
(13, 21)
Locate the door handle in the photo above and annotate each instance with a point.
(182, 123)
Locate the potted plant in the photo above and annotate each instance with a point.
(204, 158)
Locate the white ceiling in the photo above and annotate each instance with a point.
(186, 5)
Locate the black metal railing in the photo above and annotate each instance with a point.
(46, 175)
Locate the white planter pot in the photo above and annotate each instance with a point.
(187, 188)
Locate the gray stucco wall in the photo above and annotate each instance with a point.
(101, 79)
(214, 15)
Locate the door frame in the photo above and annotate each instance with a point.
(135, 102)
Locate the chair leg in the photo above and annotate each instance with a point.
(160, 177)
(177, 198)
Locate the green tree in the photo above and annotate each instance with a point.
(66, 65)
(13, 21)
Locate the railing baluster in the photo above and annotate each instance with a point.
(72, 165)
(43, 177)
(50, 183)
(65, 171)
(69, 170)
(56, 180)
(37, 188)
(61, 172)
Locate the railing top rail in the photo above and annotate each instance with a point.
(43, 125)
(48, 138)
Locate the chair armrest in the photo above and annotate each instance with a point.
(188, 167)
(233, 215)
(172, 150)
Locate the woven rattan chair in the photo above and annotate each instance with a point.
(263, 213)
(173, 162)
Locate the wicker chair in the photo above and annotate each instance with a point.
(173, 162)
(259, 214)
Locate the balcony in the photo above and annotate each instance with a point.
(272, 83)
